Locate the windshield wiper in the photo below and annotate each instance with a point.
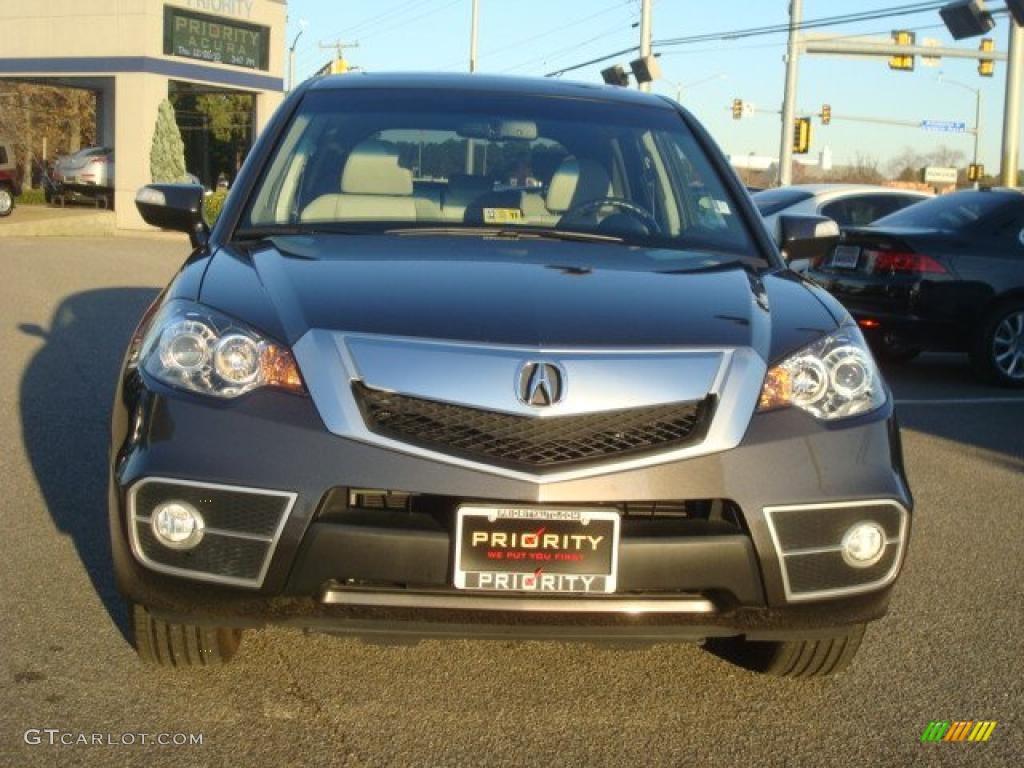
(509, 233)
(283, 230)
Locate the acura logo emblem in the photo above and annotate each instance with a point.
(540, 384)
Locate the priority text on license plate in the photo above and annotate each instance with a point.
(527, 549)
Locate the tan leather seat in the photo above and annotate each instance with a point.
(373, 186)
(576, 181)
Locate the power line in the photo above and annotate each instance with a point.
(852, 18)
(617, 5)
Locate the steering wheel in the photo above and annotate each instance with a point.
(589, 207)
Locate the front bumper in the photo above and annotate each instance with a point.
(373, 571)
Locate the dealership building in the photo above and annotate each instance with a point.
(134, 53)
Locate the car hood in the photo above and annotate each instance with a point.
(532, 293)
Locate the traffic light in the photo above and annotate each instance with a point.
(1016, 9)
(615, 75)
(801, 135)
(986, 67)
(967, 18)
(903, 63)
(826, 114)
(737, 109)
(975, 171)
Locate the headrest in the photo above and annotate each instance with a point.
(372, 169)
(575, 182)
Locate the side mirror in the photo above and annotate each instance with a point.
(178, 207)
(805, 238)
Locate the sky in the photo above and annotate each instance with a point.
(534, 37)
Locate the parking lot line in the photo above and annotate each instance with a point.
(963, 401)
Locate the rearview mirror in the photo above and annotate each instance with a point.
(178, 207)
(499, 130)
(805, 238)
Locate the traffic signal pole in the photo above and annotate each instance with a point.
(1011, 107)
(645, 35)
(789, 99)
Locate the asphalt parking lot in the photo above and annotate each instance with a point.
(951, 647)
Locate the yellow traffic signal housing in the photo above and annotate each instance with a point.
(986, 67)
(975, 171)
(737, 109)
(902, 63)
(801, 135)
(826, 114)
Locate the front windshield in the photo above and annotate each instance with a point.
(367, 160)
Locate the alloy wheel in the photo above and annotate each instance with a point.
(1008, 346)
(6, 201)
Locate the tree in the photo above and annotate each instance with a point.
(167, 156)
(229, 118)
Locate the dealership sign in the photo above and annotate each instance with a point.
(212, 38)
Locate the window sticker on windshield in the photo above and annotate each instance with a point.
(502, 215)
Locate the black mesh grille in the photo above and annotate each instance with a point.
(523, 441)
(805, 528)
(228, 510)
(827, 570)
(215, 554)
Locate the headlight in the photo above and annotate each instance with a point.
(832, 378)
(196, 348)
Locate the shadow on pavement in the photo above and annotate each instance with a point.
(65, 399)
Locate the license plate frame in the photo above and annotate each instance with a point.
(545, 550)
(845, 257)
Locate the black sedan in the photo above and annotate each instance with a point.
(946, 274)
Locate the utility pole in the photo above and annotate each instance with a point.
(1011, 113)
(473, 35)
(789, 98)
(645, 35)
(473, 26)
(339, 47)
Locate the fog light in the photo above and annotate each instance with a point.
(863, 544)
(177, 525)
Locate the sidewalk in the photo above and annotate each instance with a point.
(47, 221)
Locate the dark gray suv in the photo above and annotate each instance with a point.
(486, 357)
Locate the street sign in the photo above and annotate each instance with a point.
(939, 176)
(944, 126)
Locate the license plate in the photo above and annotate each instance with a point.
(846, 256)
(525, 549)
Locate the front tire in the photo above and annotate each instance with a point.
(163, 644)
(791, 658)
(6, 201)
(998, 354)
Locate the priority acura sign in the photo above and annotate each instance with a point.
(213, 38)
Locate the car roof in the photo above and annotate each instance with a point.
(540, 86)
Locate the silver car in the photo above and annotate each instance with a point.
(89, 167)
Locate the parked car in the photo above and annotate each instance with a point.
(10, 178)
(88, 172)
(848, 205)
(946, 274)
(598, 408)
